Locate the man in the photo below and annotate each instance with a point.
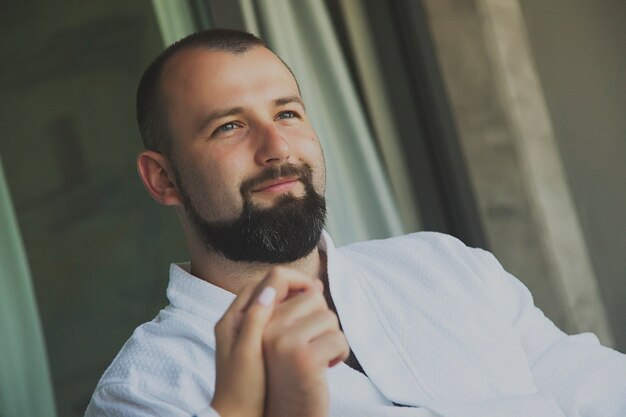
(269, 319)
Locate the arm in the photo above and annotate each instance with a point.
(585, 378)
(240, 375)
(241, 369)
(123, 400)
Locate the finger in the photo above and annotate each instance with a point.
(226, 328)
(243, 298)
(300, 334)
(299, 306)
(311, 327)
(253, 323)
(318, 286)
(285, 280)
(330, 348)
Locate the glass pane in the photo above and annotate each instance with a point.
(98, 246)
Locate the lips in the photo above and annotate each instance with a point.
(277, 185)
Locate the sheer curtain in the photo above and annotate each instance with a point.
(176, 19)
(361, 203)
(25, 385)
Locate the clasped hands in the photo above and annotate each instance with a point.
(274, 344)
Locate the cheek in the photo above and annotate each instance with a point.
(206, 182)
(228, 170)
(308, 143)
(314, 156)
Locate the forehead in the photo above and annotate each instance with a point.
(217, 79)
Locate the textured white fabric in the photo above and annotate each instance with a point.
(209, 412)
(434, 324)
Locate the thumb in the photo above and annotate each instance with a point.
(255, 318)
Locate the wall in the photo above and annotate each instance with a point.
(579, 49)
(505, 128)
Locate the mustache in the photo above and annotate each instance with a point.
(303, 172)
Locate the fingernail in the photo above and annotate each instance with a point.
(267, 296)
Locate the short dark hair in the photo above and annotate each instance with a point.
(151, 108)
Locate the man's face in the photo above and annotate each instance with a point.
(248, 164)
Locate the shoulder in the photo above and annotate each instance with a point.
(435, 267)
(424, 262)
(421, 248)
(170, 358)
(408, 243)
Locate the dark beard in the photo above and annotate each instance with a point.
(285, 232)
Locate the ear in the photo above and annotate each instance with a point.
(157, 176)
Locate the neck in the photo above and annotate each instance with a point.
(234, 276)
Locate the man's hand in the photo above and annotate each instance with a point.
(240, 379)
(301, 340)
(240, 388)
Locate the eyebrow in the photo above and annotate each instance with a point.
(289, 99)
(218, 114)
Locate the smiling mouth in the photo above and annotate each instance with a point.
(280, 185)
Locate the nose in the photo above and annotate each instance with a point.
(272, 146)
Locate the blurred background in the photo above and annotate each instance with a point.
(501, 122)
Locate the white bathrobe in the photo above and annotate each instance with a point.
(438, 327)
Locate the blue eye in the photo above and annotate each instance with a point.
(287, 115)
(227, 127)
